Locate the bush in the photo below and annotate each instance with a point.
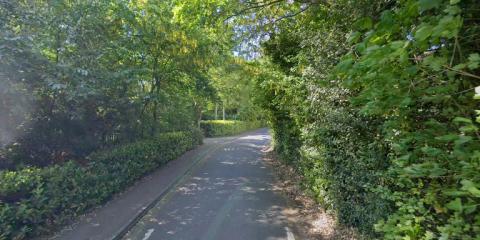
(342, 161)
(34, 199)
(215, 128)
(385, 134)
(339, 153)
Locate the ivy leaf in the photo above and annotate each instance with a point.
(452, 10)
(469, 128)
(452, 2)
(455, 193)
(473, 61)
(462, 120)
(364, 23)
(431, 151)
(455, 205)
(463, 140)
(447, 138)
(353, 37)
(470, 207)
(428, 4)
(470, 187)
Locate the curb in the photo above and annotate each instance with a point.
(127, 227)
(124, 230)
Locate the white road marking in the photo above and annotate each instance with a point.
(289, 234)
(148, 234)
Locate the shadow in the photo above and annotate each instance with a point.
(232, 196)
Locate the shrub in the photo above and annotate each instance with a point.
(33, 199)
(215, 128)
(339, 153)
(342, 161)
(388, 138)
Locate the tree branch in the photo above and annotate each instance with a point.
(255, 6)
(292, 14)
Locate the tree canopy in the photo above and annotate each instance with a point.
(372, 101)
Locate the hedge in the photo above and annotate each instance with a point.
(216, 128)
(384, 128)
(33, 200)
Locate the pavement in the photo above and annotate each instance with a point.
(221, 190)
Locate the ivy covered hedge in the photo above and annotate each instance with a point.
(216, 128)
(380, 113)
(34, 199)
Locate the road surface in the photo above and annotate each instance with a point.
(230, 194)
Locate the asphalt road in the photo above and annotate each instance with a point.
(231, 194)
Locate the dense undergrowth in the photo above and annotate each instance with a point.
(34, 200)
(372, 101)
(378, 112)
(216, 128)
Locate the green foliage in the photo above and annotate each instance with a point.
(379, 115)
(216, 128)
(32, 200)
(82, 75)
(424, 92)
(337, 150)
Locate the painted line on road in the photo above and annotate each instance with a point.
(290, 235)
(124, 230)
(168, 190)
(148, 234)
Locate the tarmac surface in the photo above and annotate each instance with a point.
(221, 190)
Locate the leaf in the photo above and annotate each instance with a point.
(469, 128)
(462, 140)
(462, 120)
(353, 37)
(397, 44)
(452, 2)
(447, 138)
(423, 33)
(448, 26)
(364, 23)
(428, 4)
(470, 187)
(473, 61)
(452, 10)
(431, 151)
(455, 193)
(345, 65)
(435, 63)
(460, 66)
(455, 205)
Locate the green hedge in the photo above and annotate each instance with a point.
(215, 128)
(386, 135)
(34, 199)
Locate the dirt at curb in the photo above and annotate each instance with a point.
(313, 221)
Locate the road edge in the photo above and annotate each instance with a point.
(127, 227)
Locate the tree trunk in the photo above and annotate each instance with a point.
(216, 111)
(198, 112)
(199, 119)
(223, 110)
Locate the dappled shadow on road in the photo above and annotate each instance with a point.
(232, 196)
